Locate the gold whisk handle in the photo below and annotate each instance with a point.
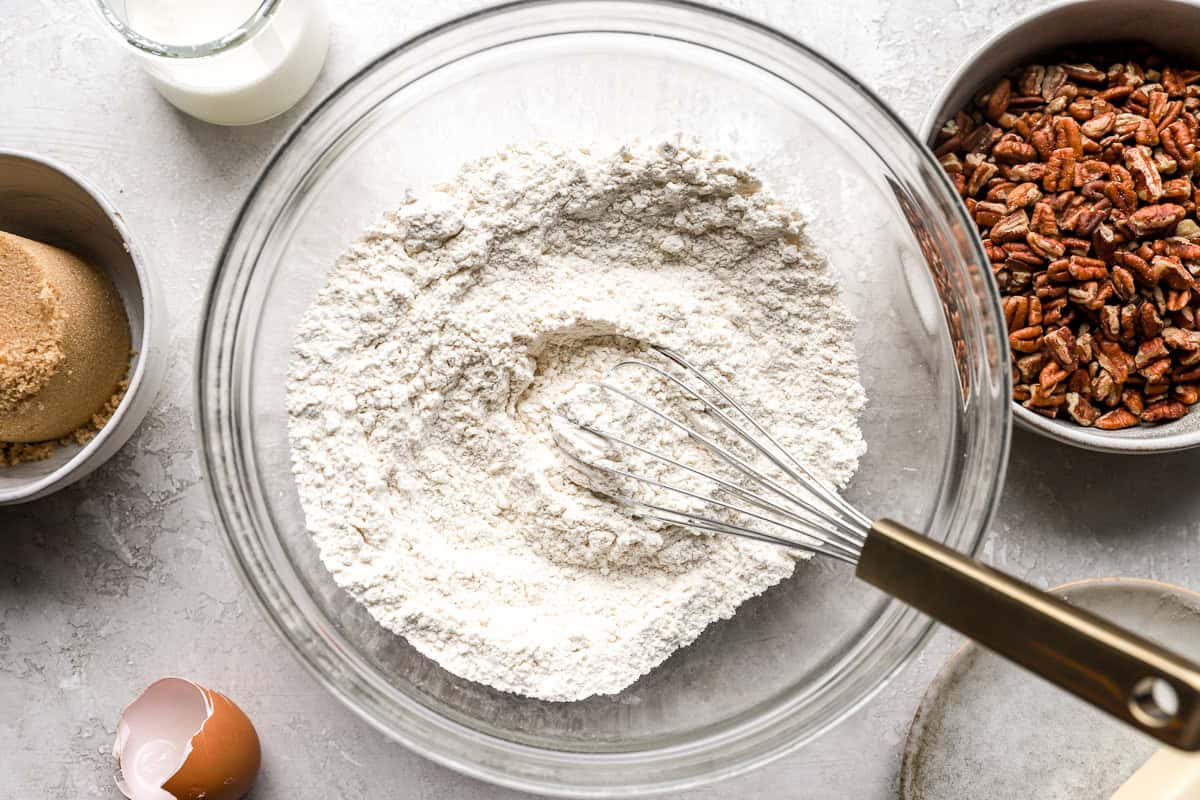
(1117, 671)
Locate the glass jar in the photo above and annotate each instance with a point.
(257, 68)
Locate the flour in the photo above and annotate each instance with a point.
(426, 374)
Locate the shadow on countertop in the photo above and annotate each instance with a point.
(1125, 502)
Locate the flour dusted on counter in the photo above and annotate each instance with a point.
(426, 373)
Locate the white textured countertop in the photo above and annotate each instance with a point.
(122, 578)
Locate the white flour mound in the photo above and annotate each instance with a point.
(426, 372)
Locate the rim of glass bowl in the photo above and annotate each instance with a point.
(243, 32)
(755, 736)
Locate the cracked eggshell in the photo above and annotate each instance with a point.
(181, 741)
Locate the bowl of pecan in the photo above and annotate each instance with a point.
(1072, 139)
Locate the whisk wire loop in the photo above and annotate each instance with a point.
(811, 534)
(812, 482)
(812, 514)
(841, 529)
(724, 484)
(800, 474)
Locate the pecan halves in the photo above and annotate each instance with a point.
(1060, 170)
(1055, 78)
(1149, 321)
(1099, 126)
(1180, 339)
(1179, 143)
(1044, 221)
(1011, 227)
(1026, 340)
(1122, 280)
(1116, 420)
(1082, 179)
(1084, 72)
(1060, 345)
(980, 176)
(1187, 393)
(1150, 351)
(1022, 196)
(1087, 269)
(1046, 246)
(1121, 189)
(1148, 183)
(1013, 151)
(1115, 361)
(1081, 410)
(1164, 410)
(1156, 219)
(998, 99)
(1171, 271)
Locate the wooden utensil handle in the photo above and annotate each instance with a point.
(1168, 775)
(1117, 671)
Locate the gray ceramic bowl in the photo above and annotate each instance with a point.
(1170, 25)
(980, 710)
(45, 201)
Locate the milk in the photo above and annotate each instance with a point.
(182, 22)
(247, 83)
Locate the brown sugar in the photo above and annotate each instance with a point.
(64, 347)
(32, 321)
(13, 453)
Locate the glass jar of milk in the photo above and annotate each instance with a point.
(230, 62)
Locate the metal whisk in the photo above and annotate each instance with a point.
(757, 490)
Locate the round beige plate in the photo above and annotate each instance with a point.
(988, 729)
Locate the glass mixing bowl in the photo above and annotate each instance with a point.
(931, 341)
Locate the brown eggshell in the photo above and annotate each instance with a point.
(225, 756)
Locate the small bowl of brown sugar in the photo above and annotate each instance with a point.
(81, 329)
(1072, 137)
